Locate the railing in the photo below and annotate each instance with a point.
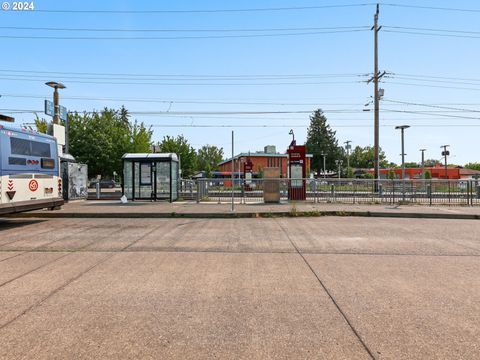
(353, 191)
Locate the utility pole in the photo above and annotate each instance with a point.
(348, 147)
(445, 153)
(423, 162)
(376, 100)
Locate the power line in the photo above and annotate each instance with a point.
(214, 76)
(184, 30)
(167, 101)
(431, 106)
(432, 30)
(430, 7)
(434, 86)
(2, 77)
(185, 78)
(431, 34)
(179, 37)
(436, 80)
(295, 126)
(437, 77)
(436, 114)
(199, 11)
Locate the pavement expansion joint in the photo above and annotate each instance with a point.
(342, 313)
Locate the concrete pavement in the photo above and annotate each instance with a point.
(278, 288)
(114, 209)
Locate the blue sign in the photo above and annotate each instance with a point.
(49, 108)
(63, 113)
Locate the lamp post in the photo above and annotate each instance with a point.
(348, 147)
(445, 153)
(293, 143)
(324, 163)
(56, 110)
(423, 162)
(339, 165)
(402, 128)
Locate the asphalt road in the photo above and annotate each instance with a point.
(301, 288)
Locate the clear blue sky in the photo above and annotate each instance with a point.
(342, 98)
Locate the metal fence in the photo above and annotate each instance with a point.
(352, 191)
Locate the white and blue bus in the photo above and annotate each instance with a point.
(29, 171)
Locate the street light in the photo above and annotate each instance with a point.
(423, 162)
(293, 143)
(445, 153)
(402, 128)
(348, 147)
(339, 165)
(324, 163)
(56, 108)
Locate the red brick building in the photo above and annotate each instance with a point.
(261, 160)
(436, 172)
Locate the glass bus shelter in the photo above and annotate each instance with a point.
(150, 176)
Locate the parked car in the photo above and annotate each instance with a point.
(104, 184)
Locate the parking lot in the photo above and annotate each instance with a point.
(306, 288)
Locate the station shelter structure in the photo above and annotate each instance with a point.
(150, 176)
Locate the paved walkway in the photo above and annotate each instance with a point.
(112, 209)
(269, 288)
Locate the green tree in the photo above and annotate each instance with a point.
(208, 158)
(428, 175)
(181, 147)
(100, 139)
(431, 162)
(41, 124)
(473, 166)
(412, 165)
(321, 139)
(362, 157)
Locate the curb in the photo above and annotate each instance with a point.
(242, 215)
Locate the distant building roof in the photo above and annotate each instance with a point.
(258, 154)
(469, 172)
(137, 156)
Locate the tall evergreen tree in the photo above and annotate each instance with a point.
(321, 139)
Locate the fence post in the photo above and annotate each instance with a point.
(393, 192)
(333, 192)
(197, 182)
(314, 191)
(354, 191)
(429, 192)
(469, 187)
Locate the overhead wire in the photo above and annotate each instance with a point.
(306, 33)
(196, 30)
(208, 11)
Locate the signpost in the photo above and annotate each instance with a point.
(297, 172)
(49, 108)
(63, 112)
